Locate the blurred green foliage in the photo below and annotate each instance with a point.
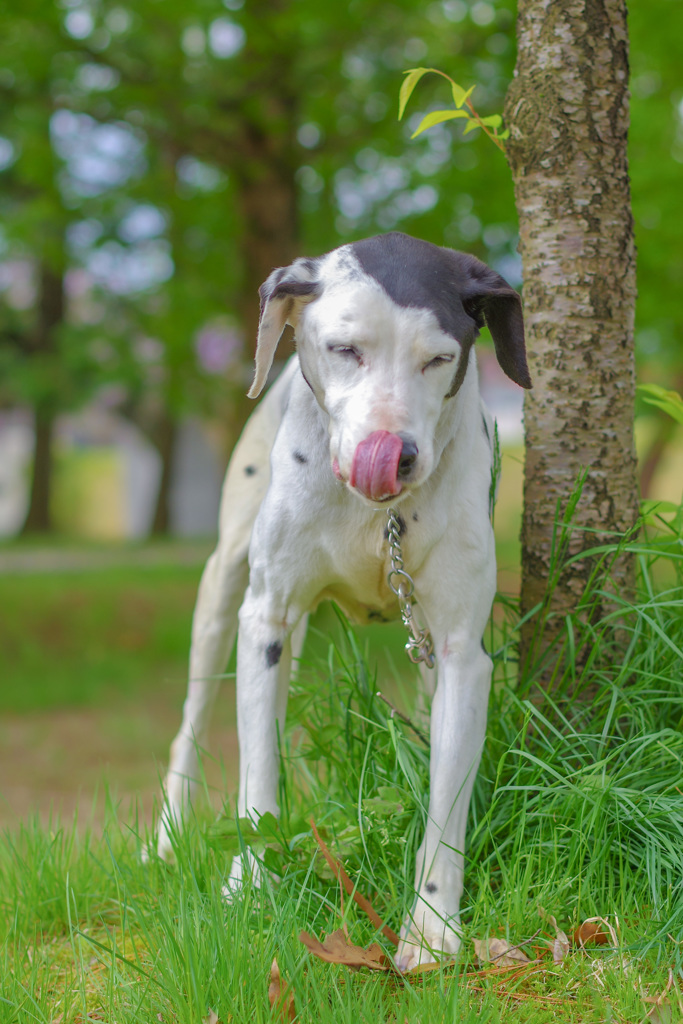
(133, 134)
(134, 140)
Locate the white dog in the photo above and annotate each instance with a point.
(379, 408)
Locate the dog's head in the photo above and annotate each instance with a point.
(384, 330)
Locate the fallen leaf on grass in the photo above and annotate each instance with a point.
(336, 949)
(499, 952)
(661, 1011)
(211, 1018)
(560, 946)
(364, 903)
(590, 932)
(279, 995)
(660, 1015)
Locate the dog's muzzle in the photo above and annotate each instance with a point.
(381, 463)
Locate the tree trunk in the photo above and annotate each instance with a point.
(38, 518)
(568, 112)
(164, 436)
(41, 347)
(270, 231)
(271, 235)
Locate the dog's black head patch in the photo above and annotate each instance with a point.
(419, 274)
(461, 291)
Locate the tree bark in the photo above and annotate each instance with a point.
(38, 518)
(164, 435)
(42, 345)
(568, 113)
(268, 201)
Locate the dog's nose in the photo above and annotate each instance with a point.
(408, 457)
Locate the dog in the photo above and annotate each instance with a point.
(379, 408)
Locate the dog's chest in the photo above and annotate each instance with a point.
(360, 565)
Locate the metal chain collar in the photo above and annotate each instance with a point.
(420, 646)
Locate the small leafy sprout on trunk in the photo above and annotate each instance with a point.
(461, 99)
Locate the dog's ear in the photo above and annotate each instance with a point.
(283, 296)
(488, 298)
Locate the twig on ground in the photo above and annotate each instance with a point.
(510, 949)
(365, 904)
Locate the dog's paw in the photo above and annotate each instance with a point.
(245, 866)
(160, 847)
(164, 848)
(426, 937)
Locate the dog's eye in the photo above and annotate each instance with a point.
(438, 361)
(348, 351)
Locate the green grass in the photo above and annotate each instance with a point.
(580, 815)
(70, 639)
(577, 809)
(78, 639)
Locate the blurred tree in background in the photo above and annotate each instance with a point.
(159, 159)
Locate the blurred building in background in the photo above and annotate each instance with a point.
(107, 476)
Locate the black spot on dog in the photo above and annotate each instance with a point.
(299, 457)
(374, 615)
(401, 527)
(431, 887)
(273, 653)
(250, 470)
(415, 517)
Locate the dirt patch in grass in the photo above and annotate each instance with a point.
(94, 668)
(55, 763)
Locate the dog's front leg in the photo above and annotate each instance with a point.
(458, 726)
(263, 671)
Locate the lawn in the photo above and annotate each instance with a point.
(574, 820)
(577, 814)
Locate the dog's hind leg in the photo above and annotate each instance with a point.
(221, 593)
(213, 636)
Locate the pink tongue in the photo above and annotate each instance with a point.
(374, 470)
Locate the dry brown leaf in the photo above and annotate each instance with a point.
(211, 1018)
(499, 952)
(660, 1014)
(280, 996)
(661, 1011)
(336, 949)
(590, 932)
(560, 946)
